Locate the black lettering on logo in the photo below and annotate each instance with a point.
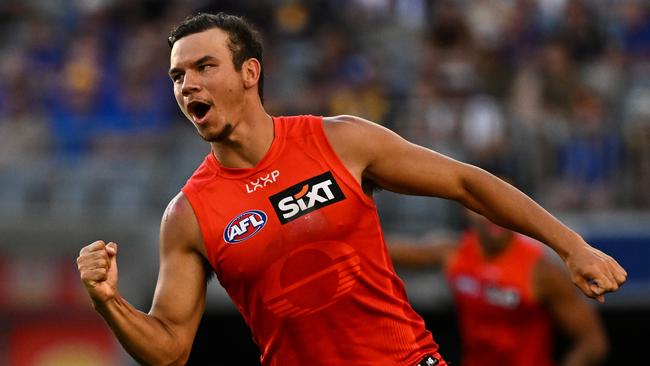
(306, 196)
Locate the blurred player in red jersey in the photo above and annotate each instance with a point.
(509, 297)
(282, 211)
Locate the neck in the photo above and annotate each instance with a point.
(493, 247)
(250, 139)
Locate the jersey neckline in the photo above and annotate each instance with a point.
(269, 157)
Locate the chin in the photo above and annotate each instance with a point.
(217, 136)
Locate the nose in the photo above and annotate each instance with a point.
(190, 84)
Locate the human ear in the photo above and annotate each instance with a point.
(251, 71)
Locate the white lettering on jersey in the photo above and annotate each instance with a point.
(292, 206)
(262, 181)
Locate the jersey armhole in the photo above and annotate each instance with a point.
(332, 159)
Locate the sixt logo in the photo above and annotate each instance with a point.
(244, 226)
(306, 196)
(262, 182)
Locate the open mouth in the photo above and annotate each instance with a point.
(198, 109)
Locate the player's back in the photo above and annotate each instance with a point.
(501, 322)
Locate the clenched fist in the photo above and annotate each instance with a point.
(594, 272)
(97, 264)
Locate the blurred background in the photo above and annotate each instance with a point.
(553, 93)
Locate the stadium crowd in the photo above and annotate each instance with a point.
(553, 93)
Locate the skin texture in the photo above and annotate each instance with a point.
(240, 132)
(551, 286)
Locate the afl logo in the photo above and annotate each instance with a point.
(244, 226)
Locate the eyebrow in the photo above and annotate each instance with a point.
(175, 70)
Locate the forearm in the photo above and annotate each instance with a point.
(505, 205)
(431, 253)
(146, 338)
(411, 255)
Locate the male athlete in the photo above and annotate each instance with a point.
(509, 297)
(282, 211)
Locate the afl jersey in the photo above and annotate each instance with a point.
(298, 247)
(500, 321)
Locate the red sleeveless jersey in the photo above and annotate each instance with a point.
(501, 323)
(298, 247)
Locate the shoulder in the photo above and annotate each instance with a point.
(356, 141)
(351, 126)
(547, 268)
(178, 210)
(179, 224)
(351, 133)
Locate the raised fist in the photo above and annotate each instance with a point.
(97, 264)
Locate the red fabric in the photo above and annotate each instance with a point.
(318, 289)
(501, 323)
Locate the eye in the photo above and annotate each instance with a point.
(177, 78)
(204, 67)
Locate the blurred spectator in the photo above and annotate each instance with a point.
(453, 65)
(637, 137)
(580, 31)
(549, 91)
(558, 78)
(487, 20)
(591, 156)
(483, 133)
(633, 27)
(79, 100)
(431, 121)
(23, 129)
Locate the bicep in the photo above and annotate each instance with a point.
(403, 167)
(395, 164)
(179, 299)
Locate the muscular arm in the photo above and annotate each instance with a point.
(164, 336)
(571, 314)
(376, 153)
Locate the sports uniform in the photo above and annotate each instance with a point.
(298, 247)
(501, 322)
